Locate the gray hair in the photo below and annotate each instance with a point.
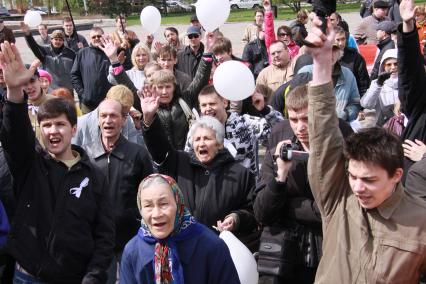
(208, 122)
(156, 180)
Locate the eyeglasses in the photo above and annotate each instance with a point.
(284, 34)
(96, 36)
(193, 36)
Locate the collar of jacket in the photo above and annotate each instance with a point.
(84, 159)
(118, 151)
(384, 42)
(186, 251)
(188, 50)
(222, 157)
(387, 208)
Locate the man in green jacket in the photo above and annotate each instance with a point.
(374, 232)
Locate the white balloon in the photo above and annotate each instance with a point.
(242, 257)
(233, 80)
(32, 18)
(150, 19)
(212, 13)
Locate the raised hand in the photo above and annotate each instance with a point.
(157, 46)
(407, 11)
(109, 48)
(25, 28)
(149, 106)
(14, 72)
(209, 41)
(267, 5)
(258, 101)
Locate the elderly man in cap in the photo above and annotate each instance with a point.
(6, 34)
(57, 59)
(367, 29)
(384, 31)
(189, 58)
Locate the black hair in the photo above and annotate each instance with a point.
(55, 107)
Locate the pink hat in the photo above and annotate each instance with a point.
(44, 73)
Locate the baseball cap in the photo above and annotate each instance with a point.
(193, 30)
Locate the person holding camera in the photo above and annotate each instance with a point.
(285, 205)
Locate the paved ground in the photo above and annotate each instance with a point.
(233, 31)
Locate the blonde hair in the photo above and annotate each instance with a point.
(121, 94)
(136, 49)
(162, 77)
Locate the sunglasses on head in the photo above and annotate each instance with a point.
(193, 36)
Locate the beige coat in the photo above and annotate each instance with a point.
(382, 245)
(273, 77)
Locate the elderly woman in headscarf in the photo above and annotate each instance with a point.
(171, 246)
(218, 190)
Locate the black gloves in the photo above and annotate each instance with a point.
(382, 78)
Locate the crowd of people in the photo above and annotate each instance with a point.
(121, 162)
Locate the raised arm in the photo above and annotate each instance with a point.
(411, 72)
(326, 166)
(269, 25)
(38, 50)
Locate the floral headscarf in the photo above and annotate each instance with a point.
(167, 266)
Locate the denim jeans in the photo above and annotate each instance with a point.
(22, 278)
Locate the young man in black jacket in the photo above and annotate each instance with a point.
(63, 230)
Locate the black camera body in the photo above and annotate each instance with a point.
(291, 151)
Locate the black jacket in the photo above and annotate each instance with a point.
(60, 233)
(256, 54)
(124, 167)
(57, 63)
(211, 191)
(383, 45)
(291, 205)
(72, 41)
(356, 63)
(412, 88)
(172, 116)
(89, 76)
(188, 62)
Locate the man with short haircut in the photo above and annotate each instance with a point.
(189, 58)
(89, 74)
(125, 164)
(57, 59)
(125, 39)
(252, 31)
(241, 131)
(367, 29)
(374, 231)
(385, 42)
(63, 230)
(73, 40)
(280, 69)
(284, 202)
(44, 36)
(167, 60)
(353, 60)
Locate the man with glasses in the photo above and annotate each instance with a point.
(89, 73)
(189, 58)
(56, 58)
(280, 70)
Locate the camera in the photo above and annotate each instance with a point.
(291, 151)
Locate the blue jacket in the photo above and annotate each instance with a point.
(205, 259)
(346, 92)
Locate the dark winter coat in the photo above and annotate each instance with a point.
(59, 65)
(383, 45)
(71, 42)
(412, 88)
(211, 191)
(59, 234)
(188, 62)
(124, 167)
(356, 63)
(256, 54)
(89, 76)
